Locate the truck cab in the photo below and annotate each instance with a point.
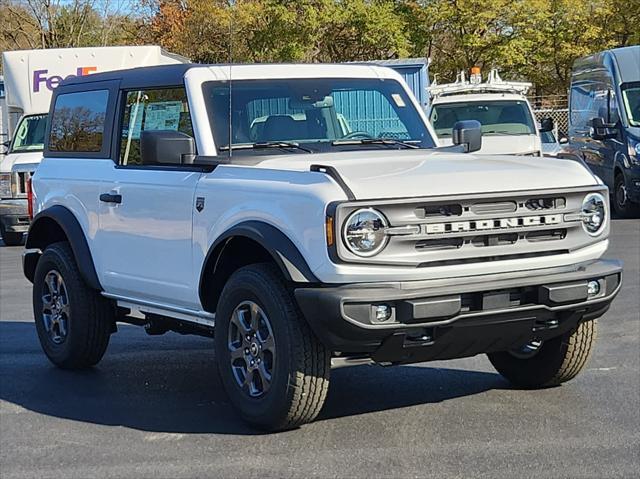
(501, 107)
(604, 122)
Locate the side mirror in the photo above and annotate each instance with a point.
(546, 124)
(166, 147)
(469, 134)
(601, 130)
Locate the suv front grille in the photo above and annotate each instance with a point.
(479, 228)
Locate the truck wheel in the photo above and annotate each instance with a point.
(73, 321)
(10, 238)
(553, 362)
(621, 203)
(274, 369)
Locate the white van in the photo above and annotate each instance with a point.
(30, 76)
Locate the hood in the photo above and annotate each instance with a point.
(414, 173)
(504, 144)
(28, 157)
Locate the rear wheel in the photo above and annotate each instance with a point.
(621, 203)
(274, 369)
(542, 364)
(10, 238)
(73, 321)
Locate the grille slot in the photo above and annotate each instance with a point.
(495, 240)
(546, 235)
(538, 204)
(440, 244)
(494, 208)
(432, 211)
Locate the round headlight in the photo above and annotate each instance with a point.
(594, 213)
(364, 232)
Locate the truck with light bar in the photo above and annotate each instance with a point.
(507, 120)
(30, 77)
(302, 215)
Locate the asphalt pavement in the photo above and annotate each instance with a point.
(155, 407)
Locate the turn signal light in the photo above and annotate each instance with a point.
(329, 230)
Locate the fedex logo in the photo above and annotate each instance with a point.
(40, 76)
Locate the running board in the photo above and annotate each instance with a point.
(149, 307)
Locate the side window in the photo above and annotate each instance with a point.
(77, 124)
(162, 109)
(588, 100)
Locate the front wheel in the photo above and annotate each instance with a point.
(549, 363)
(273, 368)
(621, 202)
(10, 238)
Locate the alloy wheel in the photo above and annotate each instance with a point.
(252, 349)
(55, 307)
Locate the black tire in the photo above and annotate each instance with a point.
(10, 238)
(301, 364)
(621, 204)
(557, 361)
(88, 319)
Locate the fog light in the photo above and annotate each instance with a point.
(593, 288)
(382, 312)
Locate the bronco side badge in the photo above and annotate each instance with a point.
(200, 203)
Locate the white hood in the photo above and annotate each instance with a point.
(504, 144)
(404, 174)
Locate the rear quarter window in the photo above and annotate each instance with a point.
(78, 121)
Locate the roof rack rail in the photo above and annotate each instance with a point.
(494, 84)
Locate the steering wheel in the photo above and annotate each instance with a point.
(356, 134)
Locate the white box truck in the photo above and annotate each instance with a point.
(30, 76)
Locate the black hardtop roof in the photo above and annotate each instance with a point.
(160, 75)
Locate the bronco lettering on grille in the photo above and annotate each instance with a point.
(491, 224)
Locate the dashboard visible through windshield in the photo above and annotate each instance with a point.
(313, 115)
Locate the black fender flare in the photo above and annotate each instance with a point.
(39, 237)
(284, 253)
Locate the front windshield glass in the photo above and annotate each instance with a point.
(496, 117)
(29, 135)
(315, 114)
(631, 100)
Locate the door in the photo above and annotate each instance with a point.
(146, 210)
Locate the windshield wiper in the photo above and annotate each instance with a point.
(266, 144)
(503, 132)
(377, 141)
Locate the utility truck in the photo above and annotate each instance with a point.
(30, 77)
(294, 241)
(501, 107)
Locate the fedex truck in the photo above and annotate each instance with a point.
(30, 76)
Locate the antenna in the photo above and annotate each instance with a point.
(231, 10)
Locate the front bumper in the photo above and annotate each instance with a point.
(14, 215)
(463, 317)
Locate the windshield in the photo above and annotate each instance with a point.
(29, 135)
(496, 117)
(317, 114)
(631, 99)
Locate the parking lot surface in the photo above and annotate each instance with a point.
(155, 407)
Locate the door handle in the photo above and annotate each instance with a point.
(111, 198)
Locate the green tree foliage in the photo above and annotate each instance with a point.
(536, 40)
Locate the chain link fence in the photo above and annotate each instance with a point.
(552, 106)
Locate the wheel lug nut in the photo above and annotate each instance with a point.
(252, 362)
(246, 350)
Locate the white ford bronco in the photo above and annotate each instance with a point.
(301, 213)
